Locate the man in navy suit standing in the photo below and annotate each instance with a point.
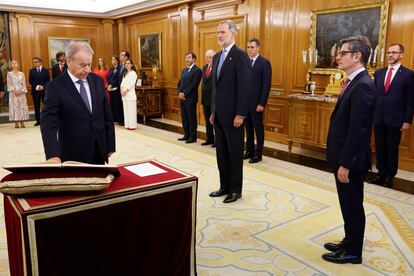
(188, 94)
(262, 80)
(76, 120)
(348, 147)
(394, 113)
(38, 78)
(232, 82)
(206, 91)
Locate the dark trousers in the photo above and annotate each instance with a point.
(229, 152)
(387, 141)
(189, 118)
(254, 123)
(351, 198)
(209, 126)
(115, 101)
(37, 98)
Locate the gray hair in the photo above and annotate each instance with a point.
(359, 44)
(211, 52)
(232, 26)
(77, 46)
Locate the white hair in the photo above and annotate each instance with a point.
(76, 46)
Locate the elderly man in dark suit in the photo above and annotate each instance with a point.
(76, 121)
(38, 78)
(232, 82)
(394, 113)
(348, 147)
(61, 66)
(206, 90)
(188, 94)
(262, 80)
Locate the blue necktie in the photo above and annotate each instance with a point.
(84, 95)
(185, 74)
(221, 61)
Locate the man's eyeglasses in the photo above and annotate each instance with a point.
(393, 53)
(342, 53)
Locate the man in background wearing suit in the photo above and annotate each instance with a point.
(348, 147)
(60, 67)
(188, 94)
(76, 120)
(206, 90)
(38, 78)
(232, 81)
(394, 113)
(262, 80)
(123, 57)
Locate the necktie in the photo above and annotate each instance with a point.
(61, 67)
(38, 70)
(185, 74)
(84, 95)
(344, 86)
(208, 71)
(388, 80)
(252, 62)
(222, 58)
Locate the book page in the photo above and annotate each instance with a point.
(145, 169)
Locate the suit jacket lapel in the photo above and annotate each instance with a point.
(348, 88)
(228, 59)
(396, 78)
(94, 93)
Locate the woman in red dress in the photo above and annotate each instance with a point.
(102, 70)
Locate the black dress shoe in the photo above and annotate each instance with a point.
(218, 193)
(232, 198)
(206, 143)
(37, 124)
(255, 159)
(183, 139)
(213, 145)
(191, 140)
(333, 247)
(248, 155)
(379, 180)
(341, 257)
(388, 181)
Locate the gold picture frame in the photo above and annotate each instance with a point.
(149, 49)
(329, 26)
(59, 44)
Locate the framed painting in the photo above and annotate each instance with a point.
(59, 44)
(328, 27)
(149, 49)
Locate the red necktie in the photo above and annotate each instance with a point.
(344, 86)
(61, 67)
(388, 80)
(208, 72)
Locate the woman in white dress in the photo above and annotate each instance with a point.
(129, 97)
(16, 85)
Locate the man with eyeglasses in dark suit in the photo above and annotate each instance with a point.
(394, 113)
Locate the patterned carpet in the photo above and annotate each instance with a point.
(279, 226)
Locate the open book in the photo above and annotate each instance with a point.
(68, 176)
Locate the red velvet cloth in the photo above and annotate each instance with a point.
(134, 235)
(128, 182)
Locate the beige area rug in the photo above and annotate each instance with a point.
(279, 226)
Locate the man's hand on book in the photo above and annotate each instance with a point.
(54, 160)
